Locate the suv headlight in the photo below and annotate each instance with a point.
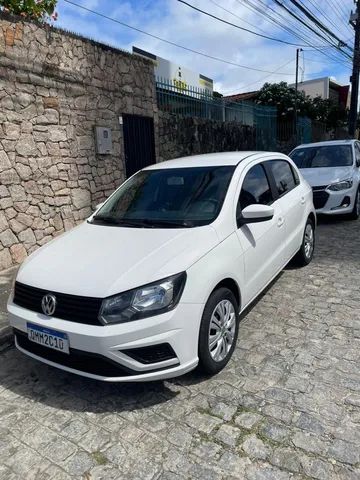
(335, 187)
(152, 299)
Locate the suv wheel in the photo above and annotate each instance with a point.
(306, 252)
(218, 331)
(355, 214)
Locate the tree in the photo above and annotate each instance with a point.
(39, 10)
(328, 112)
(282, 96)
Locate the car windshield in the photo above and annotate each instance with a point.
(323, 156)
(168, 198)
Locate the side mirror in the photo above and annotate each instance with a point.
(256, 213)
(358, 162)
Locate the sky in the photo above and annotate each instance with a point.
(177, 23)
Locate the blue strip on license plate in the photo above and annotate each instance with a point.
(48, 337)
(48, 331)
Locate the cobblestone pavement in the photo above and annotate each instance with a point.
(6, 278)
(287, 406)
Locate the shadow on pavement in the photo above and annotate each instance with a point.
(58, 389)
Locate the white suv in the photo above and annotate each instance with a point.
(332, 170)
(152, 283)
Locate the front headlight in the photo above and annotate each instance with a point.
(152, 299)
(335, 187)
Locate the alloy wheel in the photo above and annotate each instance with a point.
(309, 240)
(222, 330)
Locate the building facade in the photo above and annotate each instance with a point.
(326, 88)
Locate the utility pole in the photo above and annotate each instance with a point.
(354, 79)
(298, 50)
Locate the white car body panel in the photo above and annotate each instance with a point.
(135, 259)
(100, 261)
(325, 176)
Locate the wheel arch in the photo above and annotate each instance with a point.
(312, 218)
(232, 285)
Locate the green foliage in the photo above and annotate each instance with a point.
(282, 96)
(35, 9)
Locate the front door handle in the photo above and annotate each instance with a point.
(280, 222)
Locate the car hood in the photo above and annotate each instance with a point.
(325, 176)
(99, 261)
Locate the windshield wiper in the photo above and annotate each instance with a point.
(105, 219)
(165, 223)
(141, 222)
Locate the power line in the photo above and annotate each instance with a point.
(238, 26)
(325, 16)
(303, 22)
(263, 78)
(217, 59)
(317, 22)
(290, 27)
(237, 16)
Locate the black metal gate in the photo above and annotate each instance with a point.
(139, 142)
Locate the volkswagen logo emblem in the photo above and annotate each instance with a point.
(48, 304)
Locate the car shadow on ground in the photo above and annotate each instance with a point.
(58, 389)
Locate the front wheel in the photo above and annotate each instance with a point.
(355, 214)
(218, 331)
(306, 252)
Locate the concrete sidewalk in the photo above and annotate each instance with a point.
(6, 278)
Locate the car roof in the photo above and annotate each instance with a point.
(328, 143)
(208, 160)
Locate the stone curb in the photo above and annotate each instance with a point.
(6, 335)
(6, 338)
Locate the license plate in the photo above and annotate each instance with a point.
(48, 337)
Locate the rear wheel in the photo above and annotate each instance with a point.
(218, 331)
(306, 252)
(355, 214)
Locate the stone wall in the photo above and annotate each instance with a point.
(180, 136)
(55, 88)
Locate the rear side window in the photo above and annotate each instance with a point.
(283, 176)
(255, 188)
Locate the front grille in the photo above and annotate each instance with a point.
(151, 354)
(320, 198)
(68, 307)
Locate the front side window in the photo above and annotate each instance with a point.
(323, 156)
(255, 189)
(283, 175)
(168, 198)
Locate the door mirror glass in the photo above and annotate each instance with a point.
(256, 213)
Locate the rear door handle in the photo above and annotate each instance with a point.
(302, 200)
(280, 222)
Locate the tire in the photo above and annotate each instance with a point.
(306, 252)
(221, 307)
(355, 214)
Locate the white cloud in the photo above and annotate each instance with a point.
(177, 23)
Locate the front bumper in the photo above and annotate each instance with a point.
(328, 202)
(94, 347)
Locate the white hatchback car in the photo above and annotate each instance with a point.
(152, 284)
(332, 170)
